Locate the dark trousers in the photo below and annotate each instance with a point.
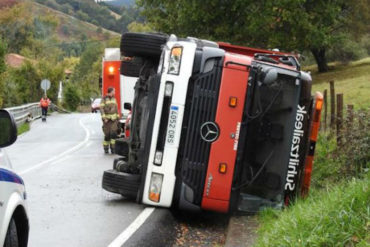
(44, 111)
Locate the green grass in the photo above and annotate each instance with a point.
(353, 80)
(339, 216)
(23, 128)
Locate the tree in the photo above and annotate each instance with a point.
(3, 48)
(313, 25)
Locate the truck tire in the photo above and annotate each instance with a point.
(142, 44)
(132, 67)
(11, 239)
(122, 183)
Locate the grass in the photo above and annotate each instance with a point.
(337, 211)
(339, 216)
(353, 80)
(23, 128)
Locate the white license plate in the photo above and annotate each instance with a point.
(171, 128)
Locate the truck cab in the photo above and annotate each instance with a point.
(219, 127)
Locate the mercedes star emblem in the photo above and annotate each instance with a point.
(209, 131)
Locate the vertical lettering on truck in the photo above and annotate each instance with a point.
(294, 151)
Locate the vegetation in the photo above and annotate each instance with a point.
(50, 42)
(23, 128)
(350, 79)
(104, 15)
(291, 25)
(337, 211)
(338, 216)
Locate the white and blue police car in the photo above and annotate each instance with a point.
(14, 225)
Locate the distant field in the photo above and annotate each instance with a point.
(353, 80)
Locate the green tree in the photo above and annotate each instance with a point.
(71, 97)
(3, 49)
(139, 27)
(287, 24)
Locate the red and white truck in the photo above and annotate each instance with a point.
(216, 127)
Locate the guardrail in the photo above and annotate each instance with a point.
(27, 112)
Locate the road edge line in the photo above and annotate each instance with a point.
(132, 228)
(68, 151)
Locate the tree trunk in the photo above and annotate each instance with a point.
(320, 58)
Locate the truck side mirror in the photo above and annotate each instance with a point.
(8, 129)
(100, 82)
(270, 76)
(127, 106)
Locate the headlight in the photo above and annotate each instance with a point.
(155, 187)
(175, 61)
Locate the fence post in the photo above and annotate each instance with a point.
(332, 105)
(339, 118)
(325, 107)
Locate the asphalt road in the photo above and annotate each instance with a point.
(62, 162)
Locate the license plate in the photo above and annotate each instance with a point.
(171, 128)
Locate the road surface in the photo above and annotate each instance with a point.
(62, 162)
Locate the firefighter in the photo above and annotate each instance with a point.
(109, 111)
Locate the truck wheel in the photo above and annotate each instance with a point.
(122, 183)
(11, 239)
(142, 44)
(132, 67)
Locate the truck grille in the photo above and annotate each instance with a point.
(201, 106)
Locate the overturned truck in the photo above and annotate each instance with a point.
(215, 126)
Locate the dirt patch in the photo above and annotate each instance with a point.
(203, 229)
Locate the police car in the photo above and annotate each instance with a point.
(14, 225)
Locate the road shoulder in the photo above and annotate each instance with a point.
(242, 231)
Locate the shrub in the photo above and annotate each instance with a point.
(346, 51)
(71, 97)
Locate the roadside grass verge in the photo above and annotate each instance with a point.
(353, 80)
(23, 128)
(337, 210)
(337, 216)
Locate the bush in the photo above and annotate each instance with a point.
(355, 151)
(71, 97)
(346, 51)
(352, 159)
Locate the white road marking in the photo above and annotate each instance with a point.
(132, 228)
(68, 151)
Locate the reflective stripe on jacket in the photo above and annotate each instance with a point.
(109, 108)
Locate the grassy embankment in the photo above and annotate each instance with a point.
(23, 128)
(337, 211)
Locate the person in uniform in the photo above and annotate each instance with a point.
(109, 114)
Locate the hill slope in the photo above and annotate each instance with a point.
(70, 28)
(99, 14)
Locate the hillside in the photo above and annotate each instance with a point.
(120, 3)
(114, 18)
(70, 28)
